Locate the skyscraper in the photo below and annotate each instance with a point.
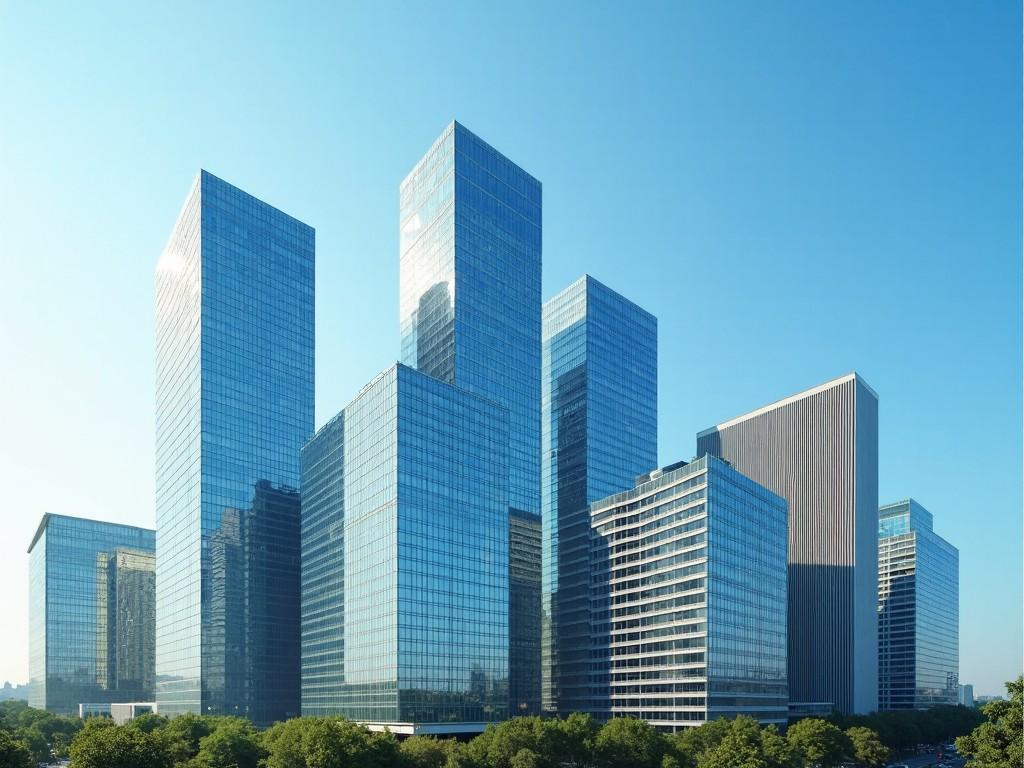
(91, 621)
(524, 579)
(234, 404)
(405, 539)
(599, 407)
(689, 598)
(918, 611)
(819, 450)
(470, 299)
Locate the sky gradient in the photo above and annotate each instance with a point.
(795, 189)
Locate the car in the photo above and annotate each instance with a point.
(898, 765)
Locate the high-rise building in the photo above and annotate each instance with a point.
(819, 450)
(689, 598)
(91, 614)
(470, 301)
(234, 405)
(524, 580)
(918, 611)
(966, 695)
(128, 609)
(599, 430)
(405, 545)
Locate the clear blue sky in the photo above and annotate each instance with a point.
(795, 189)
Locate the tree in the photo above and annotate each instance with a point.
(328, 742)
(625, 742)
(818, 742)
(423, 752)
(746, 745)
(148, 722)
(525, 758)
(181, 735)
(507, 739)
(689, 743)
(867, 747)
(234, 743)
(997, 743)
(13, 753)
(570, 741)
(118, 747)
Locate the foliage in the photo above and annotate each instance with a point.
(424, 752)
(43, 734)
(234, 743)
(818, 742)
(903, 730)
(118, 747)
(328, 742)
(13, 752)
(571, 741)
(867, 748)
(744, 744)
(997, 742)
(625, 742)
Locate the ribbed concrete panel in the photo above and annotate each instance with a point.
(819, 450)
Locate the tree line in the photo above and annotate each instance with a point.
(29, 736)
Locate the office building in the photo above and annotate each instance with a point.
(819, 450)
(689, 598)
(524, 580)
(405, 546)
(599, 430)
(966, 695)
(91, 613)
(234, 405)
(918, 611)
(470, 302)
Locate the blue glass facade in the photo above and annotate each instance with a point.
(524, 580)
(689, 598)
(234, 404)
(91, 614)
(918, 611)
(405, 598)
(470, 299)
(599, 431)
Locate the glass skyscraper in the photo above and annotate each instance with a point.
(91, 614)
(818, 449)
(599, 432)
(689, 598)
(405, 539)
(918, 611)
(524, 580)
(234, 405)
(470, 300)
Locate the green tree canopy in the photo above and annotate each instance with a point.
(328, 742)
(744, 744)
(867, 747)
(118, 747)
(626, 742)
(233, 743)
(13, 752)
(997, 742)
(818, 742)
(424, 752)
(570, 741)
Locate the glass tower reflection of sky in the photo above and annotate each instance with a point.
(234, 404)
(599, 430)
(918, 611)
(470, 311)
(470, 274)
(91, 613)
